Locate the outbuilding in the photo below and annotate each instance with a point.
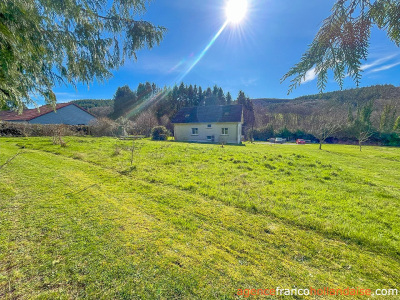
(65, 113)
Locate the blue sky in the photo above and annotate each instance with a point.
(251, 56)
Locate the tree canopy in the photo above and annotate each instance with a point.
(48, 42)
(342, 42)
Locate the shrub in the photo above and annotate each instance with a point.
(263, 134)
(103, 127)
(26, 129)
(390, 139)
(159, 133)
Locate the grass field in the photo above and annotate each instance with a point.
(192, 221)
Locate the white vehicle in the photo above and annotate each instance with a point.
(279, 140)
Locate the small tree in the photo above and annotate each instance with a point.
(145, 122)
(58, 132)
(324, 126)
(396, 127)
(361, 127)
(159, 133)
(363, 136)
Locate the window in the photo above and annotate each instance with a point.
(195, 131)
(209, 137)
(224, 131)
(209, 126)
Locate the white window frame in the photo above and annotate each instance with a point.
(195, 130)
(209, 137)
(225, 131)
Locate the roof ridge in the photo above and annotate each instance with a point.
(33, 113)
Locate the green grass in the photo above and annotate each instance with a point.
(191, 221)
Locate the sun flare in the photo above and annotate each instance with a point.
(236, 10)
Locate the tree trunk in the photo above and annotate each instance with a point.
(320, 146)
(360, 145)
(133, 148)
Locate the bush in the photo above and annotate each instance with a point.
(159, 133)
(389, 139)
(103, 127)
(284, 133)
(26, 129)
(263, 134)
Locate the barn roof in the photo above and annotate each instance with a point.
(30, 114)
(209, 114)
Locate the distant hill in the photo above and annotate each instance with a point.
(270, 101)
(91, 103)
(380, 94)
(99, 108)
(386, 92)
(298, 106)
(377, 105)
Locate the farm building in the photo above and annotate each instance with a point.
(66, 113)
(209, 124)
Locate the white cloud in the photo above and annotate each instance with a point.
(310, 76)
(378, 62)
(386, 67)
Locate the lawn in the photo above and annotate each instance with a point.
(192, 221)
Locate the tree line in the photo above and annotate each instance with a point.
(149, 105)
(354, 115)
(329, 121)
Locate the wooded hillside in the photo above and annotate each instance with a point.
(374, 109)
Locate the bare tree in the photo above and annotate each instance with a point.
(145, 122)
(363, 136)
(324, 125)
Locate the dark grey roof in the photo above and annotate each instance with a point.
(209, 114)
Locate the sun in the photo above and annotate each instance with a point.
(236, 10)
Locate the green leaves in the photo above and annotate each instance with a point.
(343, 41)
(44, 43)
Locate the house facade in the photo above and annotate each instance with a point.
(209, 124)
(66, 113)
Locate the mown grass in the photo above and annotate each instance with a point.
(194, 221)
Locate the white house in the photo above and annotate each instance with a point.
(66, 113)
(209, 124)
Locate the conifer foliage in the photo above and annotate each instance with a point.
(49, 42)
(342, 42)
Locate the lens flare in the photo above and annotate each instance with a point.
(236, 10)
(201, 55)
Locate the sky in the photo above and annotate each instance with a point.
(251, 56)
